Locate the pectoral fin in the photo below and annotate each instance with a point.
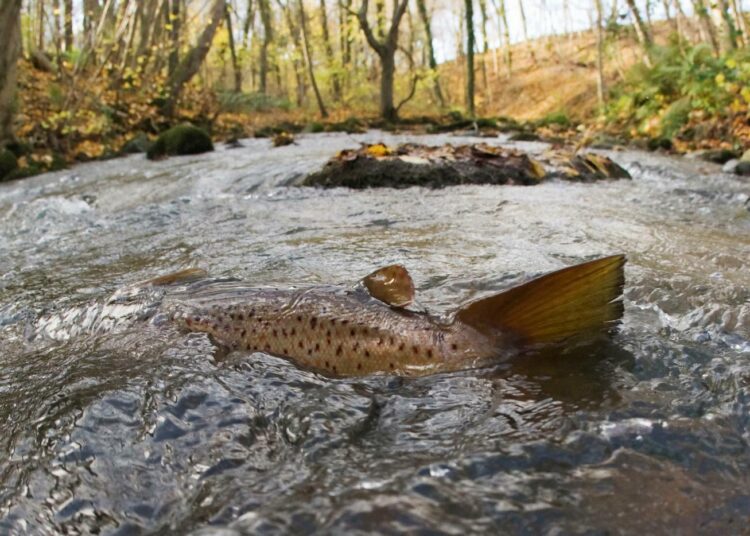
(183, 276)
(392, 285)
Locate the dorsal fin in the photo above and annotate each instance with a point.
(392, 285)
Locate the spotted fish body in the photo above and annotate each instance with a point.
(369, 329)
(339, 331)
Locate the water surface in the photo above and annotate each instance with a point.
(148, 430)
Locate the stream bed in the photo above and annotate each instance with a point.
(145, 430)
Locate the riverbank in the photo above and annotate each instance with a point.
(63, 121)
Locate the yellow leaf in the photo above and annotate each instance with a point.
(378, 150)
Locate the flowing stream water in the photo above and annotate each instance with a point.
(148, 430)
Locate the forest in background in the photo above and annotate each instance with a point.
(87, 79)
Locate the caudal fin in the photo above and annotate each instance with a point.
(578, 301)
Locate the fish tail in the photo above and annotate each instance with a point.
(575, 302)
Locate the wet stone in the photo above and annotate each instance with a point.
(411, 164)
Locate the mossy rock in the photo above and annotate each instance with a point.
(719, 156)
(180, 140)
(137, 144)
(8, 164)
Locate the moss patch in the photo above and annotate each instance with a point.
(8, 164)
(180, 140)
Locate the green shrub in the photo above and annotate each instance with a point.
(675, 117)
(679, 82)
(555, 118)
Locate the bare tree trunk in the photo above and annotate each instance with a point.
(193, 60)
(706, 26)
(265, 16)
(40, 24)
(729, 30)
(173, 22)
(56, 27)
(741, 22)
(485, 50)
(335, 78)
(642, 32)
(470, 109)
(233, 51)
(385, 48)
(249, 20)
(600, 88)
(298, 59)
(526, 31)
(502, 15)
(431, 61)
(308, 59)
(345, 40)
(68, 25)
(10, 46)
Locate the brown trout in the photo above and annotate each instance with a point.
(370, 329)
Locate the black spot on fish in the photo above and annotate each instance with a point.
(401, 346)
(454, 346)
(345, 322)
(339, 350)
(283, 332)
(391, 341)
(244, 332)
(352, 332)
(334, 369)
(429, 352)
(299, 318)
(313, 322)
(392, 366)
(240, 317)
(326, 364)
(367, 353)
(380, 341)
(300, 344)
(359, 366)
(415, 349)
(328, 333)
(309, 352)
(317, 347)
(356, 345)
(275, 333)
(333, 321)
(293, 332)
(285, 351)
(251, 313)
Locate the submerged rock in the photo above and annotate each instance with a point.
(718, 156)
(282, 138)
(375, 166)
(180, 140)
(8, 164)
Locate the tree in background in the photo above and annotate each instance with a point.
(385, 47)
(470, 109)
(188, 67)
(10, 46)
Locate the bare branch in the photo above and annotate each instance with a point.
(371, 39)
